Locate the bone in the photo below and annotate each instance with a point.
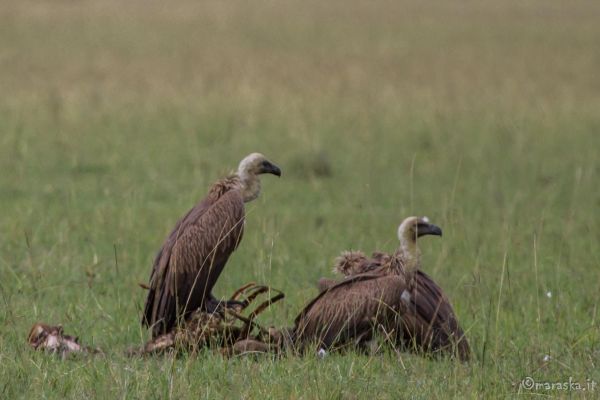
(51, 339)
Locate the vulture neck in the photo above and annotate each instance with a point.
(411, 256)
(250, 185)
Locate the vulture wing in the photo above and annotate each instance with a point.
(430, 321)
(190, 261)
(348, 310)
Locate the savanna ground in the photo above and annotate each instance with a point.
(485, 116)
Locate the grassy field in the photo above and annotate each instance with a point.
(484, 116)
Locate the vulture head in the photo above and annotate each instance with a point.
(250, 168)
(409, 231)
(414, 227)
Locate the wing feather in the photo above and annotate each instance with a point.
(192, 258)
(434, 323)
(349, 309)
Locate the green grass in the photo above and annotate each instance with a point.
(114, 119)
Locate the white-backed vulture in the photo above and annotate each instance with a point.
(192, 257)
(387, 292)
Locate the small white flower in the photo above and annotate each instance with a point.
(547, 358)
(321, 353)
(549, 294)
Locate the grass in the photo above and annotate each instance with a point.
(115, 118)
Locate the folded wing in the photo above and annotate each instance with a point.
(191, 259)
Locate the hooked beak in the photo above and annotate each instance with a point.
(428, 229)
(269, 168)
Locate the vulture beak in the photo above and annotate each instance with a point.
(269, 168)
(424, 228)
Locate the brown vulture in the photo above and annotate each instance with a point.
(387, 292)
(192, 257)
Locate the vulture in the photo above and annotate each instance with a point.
(192, 257)
(387, 292)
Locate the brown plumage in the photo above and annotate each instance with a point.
(387, 292)
(356, 262)
(351, 263)
(346, 313)
(192, 257)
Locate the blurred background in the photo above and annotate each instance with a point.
(115, 117)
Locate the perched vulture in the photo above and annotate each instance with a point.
(192, 257)
(387, 292)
